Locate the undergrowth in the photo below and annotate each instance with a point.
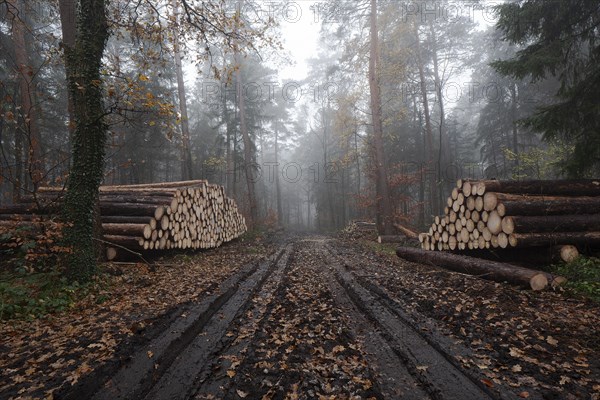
(32, 282)
(583, 276)
(27, 296)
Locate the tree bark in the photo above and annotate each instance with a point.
(83, 62)
(384, 201)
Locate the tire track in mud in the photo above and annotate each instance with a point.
(215, 379)
(426, 364)
(168, 367)
(301, 347)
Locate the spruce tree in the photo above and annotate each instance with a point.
(559, 39)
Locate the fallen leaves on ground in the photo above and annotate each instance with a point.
(533, 342)
(39, 357)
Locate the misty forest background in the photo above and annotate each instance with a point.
(397, 105)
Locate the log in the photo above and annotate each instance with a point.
(177, 185)
(406, 231)
(546, 205)
(124, 229)
(583, 187)
(122, 219)
(491, 270)
(391, 239)
(526, 256)
(591, 239)
(557, 223)
(567, 253)
(127, 209)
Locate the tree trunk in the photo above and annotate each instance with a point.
(443, 140)
(83, 62)
(277, 183)
(186, 152)
(428, 128)
(248, 145)
(491, 270)
(25, 74)
(384, 201)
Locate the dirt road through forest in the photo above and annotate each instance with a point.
(310, 321)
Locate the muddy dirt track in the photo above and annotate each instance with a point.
(313, 320)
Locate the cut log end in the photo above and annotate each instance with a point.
(538, 282)
(568, 253)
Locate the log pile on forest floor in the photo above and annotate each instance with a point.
(159, 216)
(356, 230)
(525, 218)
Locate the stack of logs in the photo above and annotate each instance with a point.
(161, 216)
(493, 214)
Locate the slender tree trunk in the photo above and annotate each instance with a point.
(515, 118)
(28, 109)
(428, 128)
(18, 178)
(67, 23)
(248, 145)
(357, 155)
(277, 182)
(83, 62)
(186, 152)
(443, 140)
(384, 204)
(420, 147)
(229, 179)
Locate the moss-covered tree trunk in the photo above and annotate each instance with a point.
(83, 62)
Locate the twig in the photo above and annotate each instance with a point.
(124, 248)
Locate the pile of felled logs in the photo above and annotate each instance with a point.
(492, 228)
(493, 214)
(160, 216)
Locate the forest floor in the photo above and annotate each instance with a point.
(306, 317)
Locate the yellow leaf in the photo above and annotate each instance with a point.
(150, 354)
(231, 373)
(143, 78)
